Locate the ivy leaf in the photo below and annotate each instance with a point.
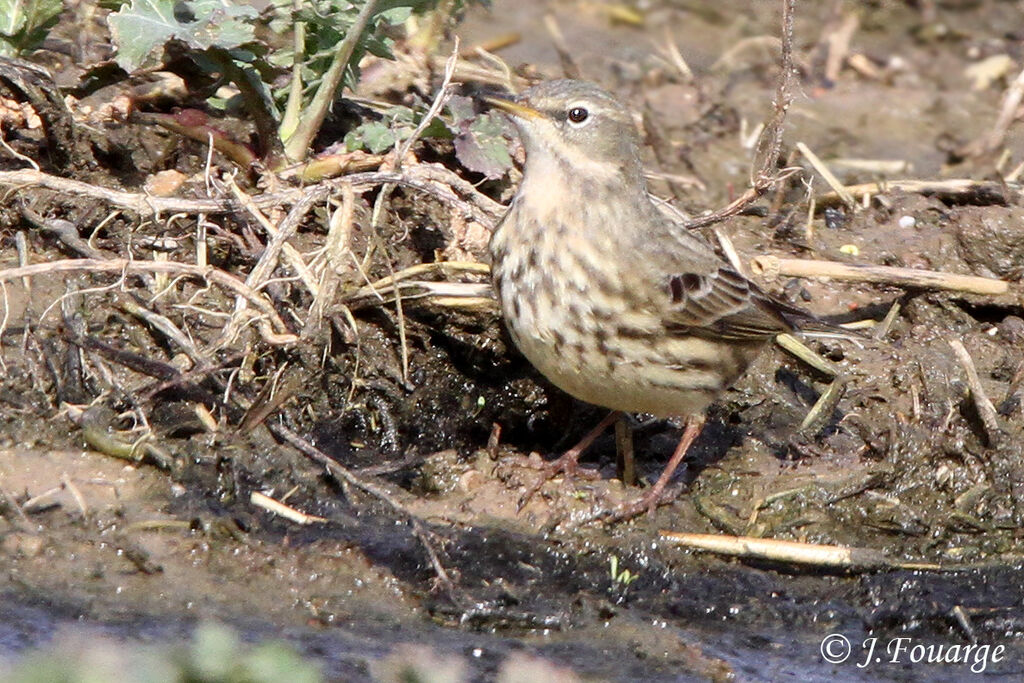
(144, 27)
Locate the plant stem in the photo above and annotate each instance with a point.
(298, 143)
(256, 99)
(294, 105)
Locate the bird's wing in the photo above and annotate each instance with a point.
(723, 304)
(705, 296)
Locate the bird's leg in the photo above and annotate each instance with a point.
(654, 496)
(568, 462)
(625, 465)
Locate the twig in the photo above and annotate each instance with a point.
(876, 167)
(193, 377)
(133, 361)
(378, 492)
(730, 251)
(454, 294)
(401, 150)
(441, 99)
(467, 296)
(792, 552)
(66, 482)
(279, 237)
(798, 349)
(765, 176)
(277, 335)
(986, 411)
(771, 267)
(443, 267)
(839, 46)
(164, 325)
(1007, 113)
(671, 51)
(882, 331)
(436, 181)
(498, 42)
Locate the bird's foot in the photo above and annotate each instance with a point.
(648, 503)
(660, 493)
(567, 465)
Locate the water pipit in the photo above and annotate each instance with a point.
(609, 299)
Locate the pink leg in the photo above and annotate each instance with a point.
(654, 496)
(568, 463)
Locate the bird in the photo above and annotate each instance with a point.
(611, 300)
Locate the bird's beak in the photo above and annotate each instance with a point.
(513, 108)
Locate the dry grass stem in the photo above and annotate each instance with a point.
(570, 69)
(884, 167)
(799, 350)
(953, 190)
(166, 327)
(279, 236)
(1008, 112)
(839, 46)
(986, 411)
(434, 180)
(791, 552)
(771, 267)
(827, 175)
(498, 42)
(264, 501)
(375, 490)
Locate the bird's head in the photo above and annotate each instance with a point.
(578, 125)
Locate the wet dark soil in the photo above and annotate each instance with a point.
(135, 553)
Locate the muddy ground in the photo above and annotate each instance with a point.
(100, 555)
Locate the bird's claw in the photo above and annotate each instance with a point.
(567, 465)
(648, 503)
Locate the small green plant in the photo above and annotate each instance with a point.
(623, 578)
(325, 40)
(481, 140)
(25, 23)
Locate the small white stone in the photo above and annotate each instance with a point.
(907, 222)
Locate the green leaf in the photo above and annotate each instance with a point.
(143, 28)
(482, 147)
(25, 23)
(373, 136)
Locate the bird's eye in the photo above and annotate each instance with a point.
(578, 114)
